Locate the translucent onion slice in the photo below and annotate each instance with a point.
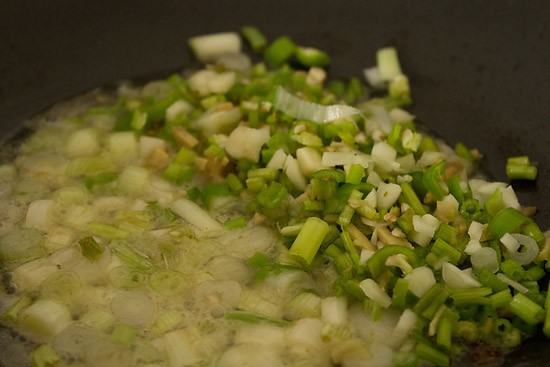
(485, 257)
(304, 110)
(526, 250)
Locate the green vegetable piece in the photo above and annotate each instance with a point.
(309, 56)
(124, 334)
(432, 355)
(376, 264)
(213, 191)
(254, 318)
(408, 195)
(44, 356)
(494, 204)
(513, 270)
(355, 174)
(442, 249)
(309, 239)
(453, 184)
(273, 195)
(488, 279)
(91, 250)
(255, 38)
(471, 296)
(508, 220)
(239, 222)
(433, 180)
(445, 328)
(527, 310)
(521, 168)
(280, 51)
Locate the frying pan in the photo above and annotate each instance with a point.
(479, 70)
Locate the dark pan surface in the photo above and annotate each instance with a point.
(480, 70)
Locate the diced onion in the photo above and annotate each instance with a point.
(246, 142)
(334, 310)
(387, 194)
(301, 109)
(420, 280)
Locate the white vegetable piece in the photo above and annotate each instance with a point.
(407, 322)
(485, 257)
(334, 310)
(447, 209)
(420, 280)
(309, 160)
(475, 231)
(374, 292)
(82, 142)
(179, 108)
(383, 152)
(45, 318)
(292, 170)
(373, 77)
(248, 355)
(424, 228)
(278, 159)
(122, 145)
(219, 119)
(387, 194)
(209, 47)
(179, 348)
(305, 333)
(206, 82)
(457, 278)
(133, 180)
(305, 110)
(195, 215)
(246, 142)
(147, 144)
(40, 214)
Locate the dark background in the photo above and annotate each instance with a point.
(479, 69)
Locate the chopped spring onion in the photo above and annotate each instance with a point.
(280, 51)
(388, 63)
(255, 38)
(210, 47)
(521, 168)
(309, 56)
(309, 239)
(90, 248)
(301, 109)
(522, 249)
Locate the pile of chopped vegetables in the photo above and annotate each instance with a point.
(250, 214)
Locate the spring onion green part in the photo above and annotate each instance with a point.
(521, 168)
(255, 38)
(309, 239)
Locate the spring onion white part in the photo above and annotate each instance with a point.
(301, 109)
(254, 214)
(521, 248)
(211, 46)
